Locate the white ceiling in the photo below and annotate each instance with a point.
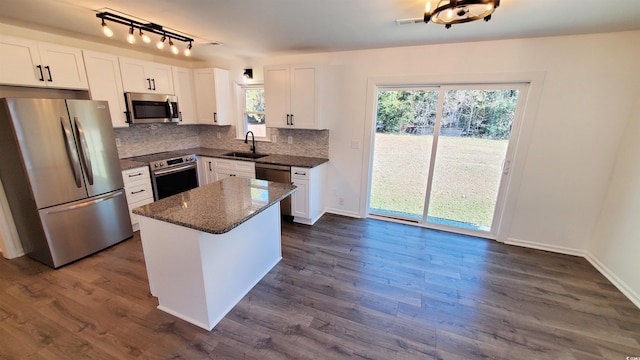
(253, 28)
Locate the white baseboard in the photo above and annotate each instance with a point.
(615, 280)
(545, 247)
(344, 213)
(606, 272)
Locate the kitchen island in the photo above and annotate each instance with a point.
(204, 249)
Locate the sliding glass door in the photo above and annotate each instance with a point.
(441, 154)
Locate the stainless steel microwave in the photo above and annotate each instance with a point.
(151, 108)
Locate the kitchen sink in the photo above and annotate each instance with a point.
(245, 155)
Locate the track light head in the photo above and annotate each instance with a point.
(160, 43)
(174, 49)
(106, 29)
(145, 38)
(187, 51)
(131, 38)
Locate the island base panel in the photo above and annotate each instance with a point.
(199, 277)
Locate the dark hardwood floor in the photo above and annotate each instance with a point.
(345, 289)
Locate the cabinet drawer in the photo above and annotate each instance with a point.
(236, 165)
(245, 166)
(136, 175)
(139, 192)
(134, 217)
(223, 164)
(300, 173)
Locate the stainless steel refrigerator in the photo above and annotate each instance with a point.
(61, 174)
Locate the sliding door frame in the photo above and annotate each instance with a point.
(518, 146)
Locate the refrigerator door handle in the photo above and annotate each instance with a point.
(71, 154)
(84, 150)
(86, 203)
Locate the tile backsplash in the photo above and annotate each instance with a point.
(142, 139)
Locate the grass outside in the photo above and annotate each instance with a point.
(465, 184)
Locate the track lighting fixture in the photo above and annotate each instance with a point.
(143, 30)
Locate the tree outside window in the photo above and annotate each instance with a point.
(254, 118)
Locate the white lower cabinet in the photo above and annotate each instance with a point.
(214, 169)
(137, 187)
(307, 203)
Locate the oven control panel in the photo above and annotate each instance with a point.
(168, 163)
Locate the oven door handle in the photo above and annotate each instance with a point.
(173, 170)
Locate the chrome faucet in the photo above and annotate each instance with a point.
(253, 141)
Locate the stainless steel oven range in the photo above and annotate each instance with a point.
(173, 175)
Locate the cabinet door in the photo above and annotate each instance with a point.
(204, 85)
(277, 95)
(304, 95)
(105, 83)
(222, 101)
(63, 66)
(223, 173)
(183, 86)
(161, 78)
(300, 199)
(205, 170)
(133, 76)
(18, 62)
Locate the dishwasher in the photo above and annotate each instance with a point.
(280, 174)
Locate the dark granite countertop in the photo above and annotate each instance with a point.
(127, 164)
(219, 207)
(288, 160)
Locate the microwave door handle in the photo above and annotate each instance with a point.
(84, 150)
(73, 159)
(169, 110)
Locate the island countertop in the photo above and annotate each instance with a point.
(218, 207)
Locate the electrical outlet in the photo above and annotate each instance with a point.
(340, 201)
(118, 142)
(218, 135)
(290, 139)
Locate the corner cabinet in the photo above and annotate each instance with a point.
(31, 63)
(292, 96)
(146, 77)
(213, 96)
(307, 203)
(105, 83)
(137, 187)
(183, 86)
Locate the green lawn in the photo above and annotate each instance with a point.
(465, 184)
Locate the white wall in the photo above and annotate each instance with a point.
(586, 100)
(616, 240)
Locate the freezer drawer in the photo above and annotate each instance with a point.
(81, 228)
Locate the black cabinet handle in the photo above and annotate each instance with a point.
(41, 74)
(291, 119)
(137, 192)
(210, 166)
(215, 117)
(49, 71)
(288, 119)
(180, 116)
(154, 83)
(149, 83)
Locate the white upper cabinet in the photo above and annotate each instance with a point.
(213, 96)
(146, 77)
(292, 96)
(183, 86)
(105, 83)
(31, 63)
